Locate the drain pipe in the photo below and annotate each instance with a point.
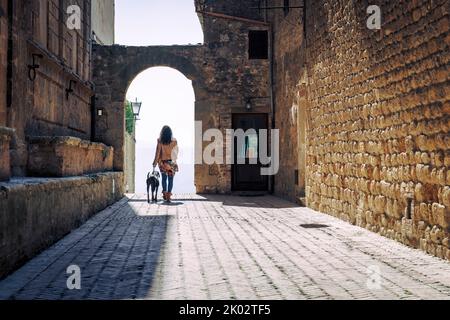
(93, 117)
(271, 84)
(272, 90)
(272, 96)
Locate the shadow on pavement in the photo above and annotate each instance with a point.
(117, 257)
(265, 201)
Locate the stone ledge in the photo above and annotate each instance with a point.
(5, 166)
(67, 156)
(50, 184)
(37, 212)
(67, 141)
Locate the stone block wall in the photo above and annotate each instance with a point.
(67, 156)
(378, 138)
(3, 59)
(288, 62)
(44, 105)
(35, 213)
(246, 9)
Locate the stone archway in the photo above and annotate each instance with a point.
(117, 67)
(223, 77)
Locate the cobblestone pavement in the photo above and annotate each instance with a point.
(223, 247)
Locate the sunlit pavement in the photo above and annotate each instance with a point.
(224, 247)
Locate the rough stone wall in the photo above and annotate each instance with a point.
(230, 77)
(222, 77)
(379, 118)
(288, 67)
(3, 59)
(245, 9)
(38, 212)
(41, 107)
(103, 21)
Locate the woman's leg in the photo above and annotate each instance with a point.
(170, 184)
(164, 181)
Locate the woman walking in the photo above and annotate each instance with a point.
(166, 158)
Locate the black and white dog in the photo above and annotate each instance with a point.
(153, 182)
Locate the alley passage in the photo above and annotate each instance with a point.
(223, 247)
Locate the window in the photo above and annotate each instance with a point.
(258, 44)
(286, 7)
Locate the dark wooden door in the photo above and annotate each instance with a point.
(247, 177)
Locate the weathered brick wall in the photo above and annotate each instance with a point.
(40, 107)
(230, 77)
(3, 58)
(5, 165)
(379, 118)
(54, 114)
(66, 59)
(5, 137)
(288, 60)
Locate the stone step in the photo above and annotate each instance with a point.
(67, 156)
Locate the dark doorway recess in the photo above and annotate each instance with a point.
(247, 177)
(258, 47)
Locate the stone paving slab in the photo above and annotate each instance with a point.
(224, 247)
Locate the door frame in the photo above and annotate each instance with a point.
(233, 167)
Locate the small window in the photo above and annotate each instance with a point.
(287, 6)
(258, 44)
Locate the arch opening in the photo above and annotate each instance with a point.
(168, 98)
(162, 79)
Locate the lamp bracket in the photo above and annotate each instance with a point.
(32, 67)
(70, 89)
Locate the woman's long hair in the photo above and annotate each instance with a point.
(166, 135)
